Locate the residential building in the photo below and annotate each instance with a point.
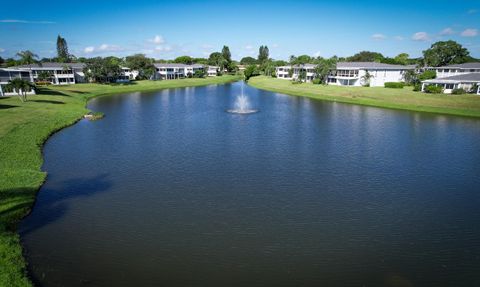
(350, 73)
(59, 73)
(469, 82)
(8, 74)
(293, 72)
(355, 74)
(212, 71)
(128, 74)
(169, 71)
(457, 69)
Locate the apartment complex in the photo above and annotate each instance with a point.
(350, 73)
(458, 76)
(56, 73)
(6, 75)
(170, 71)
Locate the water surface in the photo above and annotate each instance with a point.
(170, 190)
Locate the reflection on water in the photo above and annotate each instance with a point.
(169, 190)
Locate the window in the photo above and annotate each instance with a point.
(449, 86)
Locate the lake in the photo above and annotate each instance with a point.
(170, 190)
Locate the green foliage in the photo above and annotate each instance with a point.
(44, 76)
(62, 50)
(444, 53)
(216, 59)
(427, 75)
(27, 57)
(323, 68)
(263, 54)
(410, 77)
(199, 73)
(473, 89)
(432, 89)
(402, 59)
(366, 79)
(21, 87)
(458, 91)
(251, 71)
(366, 56)
(417, 87)
(394, 85)
(102, 70)
(142, 64)
(187, 60)
(248, 61)
(317, 81)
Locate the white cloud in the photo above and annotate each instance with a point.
(249, 47)
(378, 37)
(157, 40)
(25, 21)
(89, 49)
(102, 48)
(420, 36)
(447, 31)
(317, 54)
(275, 46)
(399, 38)
(207, 46)
(163, 48)
(469, 33)
(472, 11)
(2, 50)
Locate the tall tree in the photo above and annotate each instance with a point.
(445, 53)
(62, 50)
(402, 58)
(366, 56)
(227, 56)
(21, 86)
(323, 68)
(142, 64)
(216, 59)
(187, 60)
(27, 57)
(263, 54)
(248, 61)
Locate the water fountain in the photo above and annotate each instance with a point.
(242, 105)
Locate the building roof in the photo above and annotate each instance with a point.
(372, 65)
(468, 78)
(51, 65)
(472, 65)
(308, 66)
(176, 65)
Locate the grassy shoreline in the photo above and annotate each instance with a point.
(24, 129)
(400, 99)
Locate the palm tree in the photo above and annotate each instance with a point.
(21, 87)
(366, 79)
(27, 57)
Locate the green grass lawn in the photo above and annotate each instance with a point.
(24, 127)
(405, 99)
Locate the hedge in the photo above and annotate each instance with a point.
(394, 85)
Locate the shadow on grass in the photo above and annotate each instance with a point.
(3, 107)
(122, 84)
(53, 201)
(48, 92)
(48, 102)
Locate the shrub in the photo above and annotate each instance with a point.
(394, 85)
(432, 89)
(43, 83)
(473, 89)
(427, 75)
(458, 91)
(417, 87)
(317, 81)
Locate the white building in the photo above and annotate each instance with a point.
(461, 81)
(457, 69)
(212, 71)
(128, 74)
(354, 74)
(172, 71)
(350, 73)
(58, 73)
(6, 75)
(292, 73)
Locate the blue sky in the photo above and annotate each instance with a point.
(197, 28)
